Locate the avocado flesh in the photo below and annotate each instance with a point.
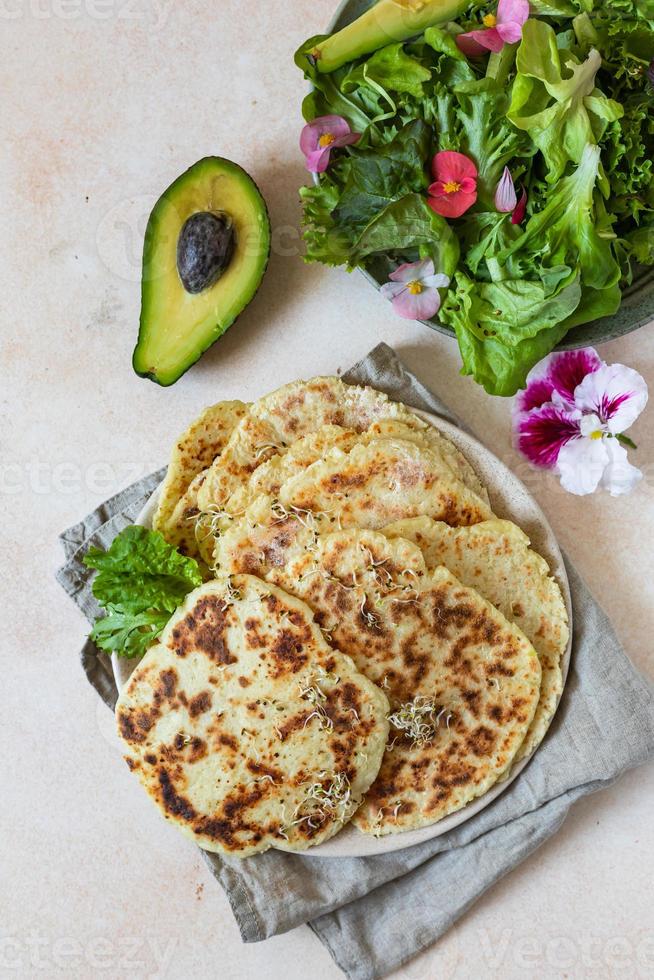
(176, 326)
(386, 22)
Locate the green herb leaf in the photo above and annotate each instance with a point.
(128, 634)
(392, 68)
(141, 580)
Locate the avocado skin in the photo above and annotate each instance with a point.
(386, 22)
(163, 328)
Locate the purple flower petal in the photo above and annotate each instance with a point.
(520, 209)
(312, 132)
(392, 289)
(581, 465)
(558, 375)
(510, 32)
(439, 280)
(318, 160)
(541, 434)
(417, 306)
(413, 270)
(505, 195)
(512, 11)
(346, 140)
(487, 39)
(617, 394)
(490, 38)
(469, 46)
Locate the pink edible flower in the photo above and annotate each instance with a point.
(320, 137)
(505, 28)
(571, 418)
(413, 290)
(455, 187)
(520, 210)
(506, 199)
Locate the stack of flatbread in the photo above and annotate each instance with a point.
(371, 645)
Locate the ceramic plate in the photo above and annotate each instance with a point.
(509, 499)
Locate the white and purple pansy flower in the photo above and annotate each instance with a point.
(413, 290)
(571, 418)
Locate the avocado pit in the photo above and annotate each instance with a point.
(204, 249)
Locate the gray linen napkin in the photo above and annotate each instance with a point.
(375, 913)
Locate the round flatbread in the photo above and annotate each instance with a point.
(246, 728)
(194, 451)
(383, 481)
(463, 682)
(268, 478)
(281, 418)
(190, 531)
(368, 487)
(494, 558)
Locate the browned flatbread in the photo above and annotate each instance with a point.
(246, 728)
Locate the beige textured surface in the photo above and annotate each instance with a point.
(106, 105)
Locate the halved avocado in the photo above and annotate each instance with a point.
(206, 249)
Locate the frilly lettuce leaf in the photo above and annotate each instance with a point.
(487, 135)
(499, 358)
(567, 230)
(324, 241)
(141, 580)
(562, 114)
(505, 327)
(641, 244)
(391, 68)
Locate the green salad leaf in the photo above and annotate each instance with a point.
(566, 232)
(499, 366)
(642, 244)
(140, 581)
(405, 225)
(569, 110)
(128, 634)
(561, 115)
(378, 176)
(392, 69)
(487, 135)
